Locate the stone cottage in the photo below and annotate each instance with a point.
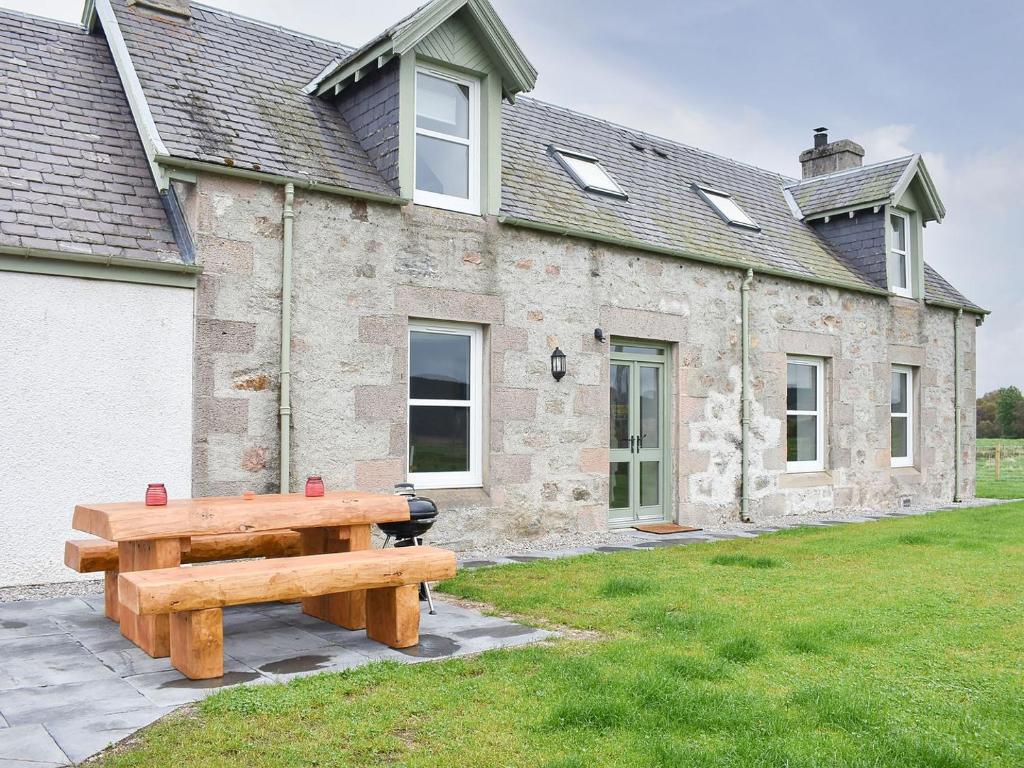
(547, 322)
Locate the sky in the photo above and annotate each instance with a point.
(750, 79)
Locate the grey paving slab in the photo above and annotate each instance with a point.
(47, 660)
(131, 660)
(30, 745)
(24, 706)
(327, 659)
(255, 648)
(13, 626)
(82, 736)
(171, 689)
(3, 723)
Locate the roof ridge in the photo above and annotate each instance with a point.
(851, 171)
(276, 27)
(674, 142)
(37, 17)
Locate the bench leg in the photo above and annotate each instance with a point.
(150, 633)
(197, 643)
(345, 609)
(393, 615)
(110, 601)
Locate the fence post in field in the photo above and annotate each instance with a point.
(999, 457)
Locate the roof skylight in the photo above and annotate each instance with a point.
(588, 172)
(726, 207)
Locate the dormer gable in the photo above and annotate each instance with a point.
(873, 216)
(424, 99)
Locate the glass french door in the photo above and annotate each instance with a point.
(638, 441)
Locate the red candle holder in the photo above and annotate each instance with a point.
(314, 486)
(156, 495)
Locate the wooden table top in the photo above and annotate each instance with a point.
(134, 521)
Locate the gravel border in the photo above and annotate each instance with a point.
(560, 542)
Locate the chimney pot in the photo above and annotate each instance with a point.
(830, 157)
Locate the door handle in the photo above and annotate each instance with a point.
(632, 444)
(640, 442)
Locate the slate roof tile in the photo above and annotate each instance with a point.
(67, 143)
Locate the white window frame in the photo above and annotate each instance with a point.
(433, 199)
(908, 460)
(818, 465)
(906, 253)
(473, 478)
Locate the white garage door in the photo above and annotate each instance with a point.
(95, 402)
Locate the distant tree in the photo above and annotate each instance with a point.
(986, 415)
(1009, 408)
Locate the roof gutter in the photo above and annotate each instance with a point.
(94, 266)
(639, 245)
(311, 185)
(950, 305)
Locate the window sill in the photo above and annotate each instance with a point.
(907, 475)
(449, 498)
(806, 479)
(451, 204)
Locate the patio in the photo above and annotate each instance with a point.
(71, 684)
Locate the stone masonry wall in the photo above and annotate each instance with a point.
(361, 271)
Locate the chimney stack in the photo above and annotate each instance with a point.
(828, 157)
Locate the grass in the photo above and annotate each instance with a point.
(896, 643)
(1011, 482)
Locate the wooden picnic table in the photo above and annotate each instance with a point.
(154, 537)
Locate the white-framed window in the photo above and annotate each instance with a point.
(900, 249)
(447, 163)
(445, 413)
(805, 414)
(727, 208)
(588, 172)
(902, 416)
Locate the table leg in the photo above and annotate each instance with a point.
(346, 609)
(151, 633)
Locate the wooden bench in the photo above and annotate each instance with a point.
(195, 597)
(95, 555)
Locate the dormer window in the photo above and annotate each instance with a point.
(900, 274)
(447, 141)
(588, 172)
(727, 208)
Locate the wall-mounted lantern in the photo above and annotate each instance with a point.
(558, 364)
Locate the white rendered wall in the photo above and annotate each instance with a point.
(95, 402)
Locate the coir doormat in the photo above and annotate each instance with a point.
(663, 528)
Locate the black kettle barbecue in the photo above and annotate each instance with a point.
(409, 533)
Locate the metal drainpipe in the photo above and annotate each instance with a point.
(746, 399)
(957, 407)
(286, 338)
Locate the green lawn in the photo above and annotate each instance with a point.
(897, 643)
(1011, 483)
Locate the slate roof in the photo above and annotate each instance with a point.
(663, 209)
(938, 289)
(228, 90)
(848, 189)
(73, 174)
